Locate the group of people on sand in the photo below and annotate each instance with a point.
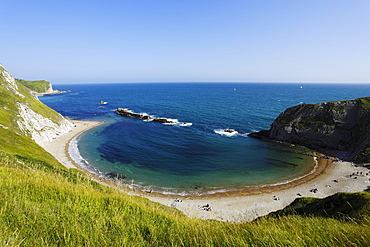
(354, 175)
(314, 190)
(206, 207)
(174, 202)
(276, 198)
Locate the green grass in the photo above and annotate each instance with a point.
(41, 207)
(344, 206)
(365, 103)
(9, 109)
(40, 86)
(44, 204)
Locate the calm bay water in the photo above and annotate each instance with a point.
(196, 156)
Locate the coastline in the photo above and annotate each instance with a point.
(247, 206)
(59, 147)
(236, 206)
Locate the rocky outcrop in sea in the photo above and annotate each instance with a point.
(338, 128)
(127, 113)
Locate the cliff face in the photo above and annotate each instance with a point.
(23, 113)
(340, 128)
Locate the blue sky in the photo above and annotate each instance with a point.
(186, 40)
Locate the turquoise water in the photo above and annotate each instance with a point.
(196, 157)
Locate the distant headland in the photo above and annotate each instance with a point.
(40, 87)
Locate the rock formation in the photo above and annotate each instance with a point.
(31, 117)
(229, 130)
(127, 113)
(339, 128)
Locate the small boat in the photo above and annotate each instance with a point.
(103, 102)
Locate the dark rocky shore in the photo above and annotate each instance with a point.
(338, 128)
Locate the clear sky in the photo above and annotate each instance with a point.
(87, 41)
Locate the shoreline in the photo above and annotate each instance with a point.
(243, 207)
(59, 147)
(235, 206)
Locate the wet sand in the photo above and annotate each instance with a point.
(243, 205)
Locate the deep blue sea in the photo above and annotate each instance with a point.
(196, 157)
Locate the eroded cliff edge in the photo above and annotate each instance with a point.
(338, 128)
(23, 113)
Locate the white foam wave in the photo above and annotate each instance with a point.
(226, 132)
(185, 124)
(76, 157)
(216, 191)
(128, 110)
(173, 121)
(152, 118)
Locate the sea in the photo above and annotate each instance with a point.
(193, 154)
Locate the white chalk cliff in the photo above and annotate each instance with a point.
(41, 129)
(40, 123)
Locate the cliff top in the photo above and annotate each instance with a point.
(38, 86)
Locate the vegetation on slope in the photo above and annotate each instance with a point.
(40, 86)
(42, 203)
(46, 205)
(334, 128)
(344, 206)
(9, 113)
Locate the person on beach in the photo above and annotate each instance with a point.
(206, 207)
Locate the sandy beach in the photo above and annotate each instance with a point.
(242, 206)
(59, 147)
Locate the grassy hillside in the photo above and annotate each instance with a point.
(9, 113)
(40, 86)
(42, 204)
(354, 206)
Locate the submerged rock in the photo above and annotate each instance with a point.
(114, 175)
